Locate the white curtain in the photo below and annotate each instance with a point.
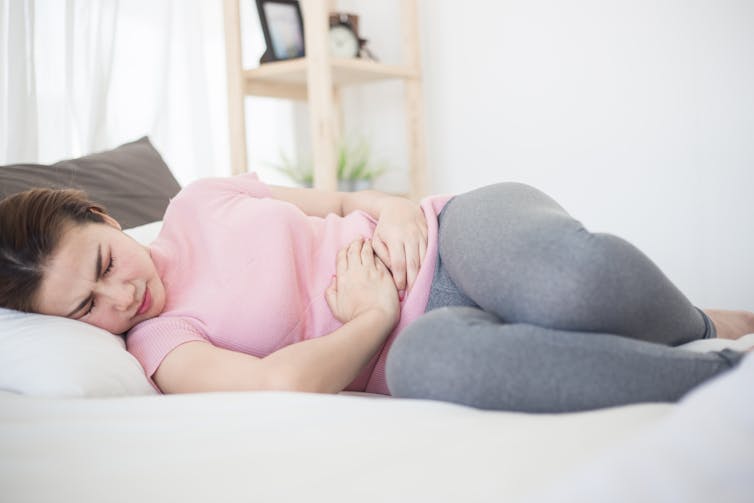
(80, 76)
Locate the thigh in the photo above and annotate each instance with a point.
(517, 253)
(467, 356)
(499, 245)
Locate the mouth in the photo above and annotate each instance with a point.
(146, 302)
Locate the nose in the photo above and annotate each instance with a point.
(120, 295)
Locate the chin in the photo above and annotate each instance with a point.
(130, 326)
(120, 330)
(116, 330)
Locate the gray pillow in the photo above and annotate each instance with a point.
(132, 181)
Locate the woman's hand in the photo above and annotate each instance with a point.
(400, 240)
(362, 284)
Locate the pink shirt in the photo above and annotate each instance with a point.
(248, 273)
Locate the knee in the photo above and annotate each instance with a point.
(436, 325)
(412, 343)
(417, 356)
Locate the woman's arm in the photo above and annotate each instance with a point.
(330, 363)
(325, 364)
(320, 203)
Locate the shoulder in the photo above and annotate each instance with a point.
(246, 183)
(199, 198)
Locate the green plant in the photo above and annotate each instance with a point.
(299, 172)
(354, 163)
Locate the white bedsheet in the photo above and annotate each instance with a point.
(277, 446)
(703, 451)
(281, 446)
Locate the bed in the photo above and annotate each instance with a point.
(79, 422)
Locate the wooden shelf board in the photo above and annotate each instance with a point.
(293, 73)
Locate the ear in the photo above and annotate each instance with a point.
(108, 219)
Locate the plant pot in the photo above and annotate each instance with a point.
(354, 185)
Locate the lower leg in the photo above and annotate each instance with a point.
(465, 355)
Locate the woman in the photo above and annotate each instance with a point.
(257, 287)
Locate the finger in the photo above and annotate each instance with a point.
(367, 254)
(354, 252)
(380, 265)
(422, 250)
(341, 263)
(331, 296)
(383, 269)
(381, 250)
(422, 224)
(398, 265)
(424, 232)
(412, 266)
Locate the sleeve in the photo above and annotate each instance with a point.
(151, 341)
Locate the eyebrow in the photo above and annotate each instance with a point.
(97, 274)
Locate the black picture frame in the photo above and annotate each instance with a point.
(283, 28)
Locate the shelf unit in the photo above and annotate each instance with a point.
(318, 79)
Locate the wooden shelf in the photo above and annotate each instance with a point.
(288, 79)
(317, 79)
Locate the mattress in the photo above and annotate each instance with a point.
(290, 446)
(285, 446)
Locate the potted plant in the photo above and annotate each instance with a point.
(300, 173)
(355, 168)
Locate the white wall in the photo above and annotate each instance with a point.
(636, 115)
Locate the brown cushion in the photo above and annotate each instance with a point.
(132, 181)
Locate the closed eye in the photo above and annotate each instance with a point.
(110, 266)
(108, 270)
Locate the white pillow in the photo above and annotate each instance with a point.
(51, 356)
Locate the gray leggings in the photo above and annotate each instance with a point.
(529, 311)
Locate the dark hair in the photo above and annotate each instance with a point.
(31, 225)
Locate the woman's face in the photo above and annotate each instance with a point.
(103, 277)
